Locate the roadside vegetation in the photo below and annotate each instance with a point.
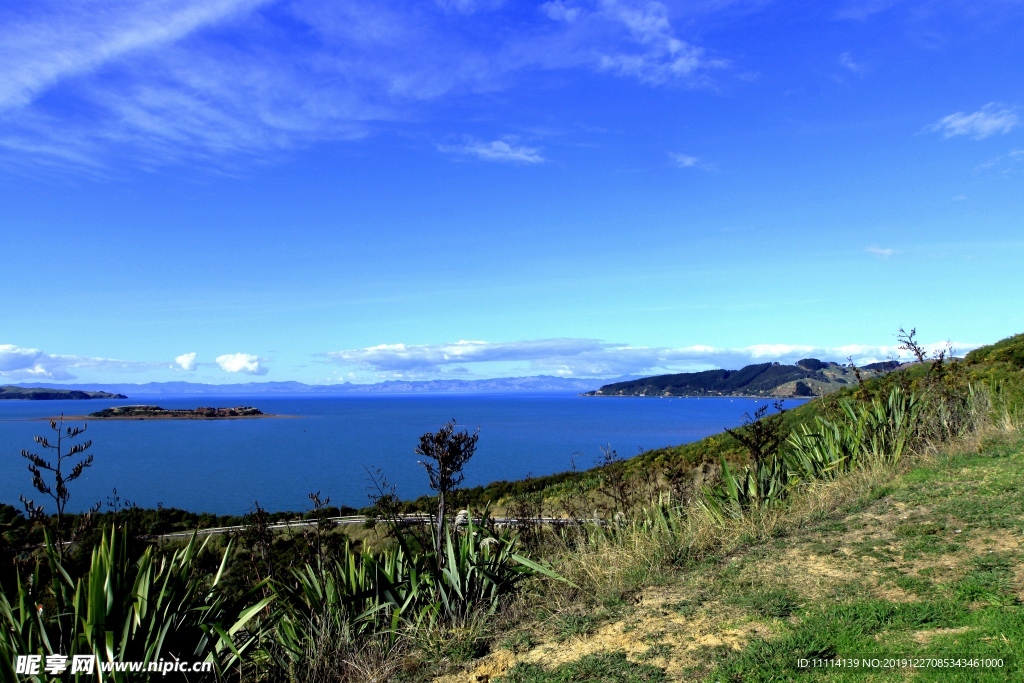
(880, 521)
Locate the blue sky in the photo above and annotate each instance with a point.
(370, 190)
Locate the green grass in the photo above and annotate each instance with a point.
(965, 604)
(882, 630)
(606, 667)
(767, 602)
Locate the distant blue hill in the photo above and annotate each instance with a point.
(541, 383)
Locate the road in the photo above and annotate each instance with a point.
(361, 519)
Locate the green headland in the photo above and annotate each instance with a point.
(51, 394)
(809, 377)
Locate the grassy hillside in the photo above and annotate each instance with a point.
(1009, 352)
(923, 565)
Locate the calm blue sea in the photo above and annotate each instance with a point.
(222, 466)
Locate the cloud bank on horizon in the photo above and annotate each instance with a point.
(596, 358)
(565, 357)
(22, 364)
(19, 364)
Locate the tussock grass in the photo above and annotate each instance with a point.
(617, 560)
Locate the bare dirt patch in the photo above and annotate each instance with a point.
(681, 642)
(924, 637)
(994, 540)
(811, 575)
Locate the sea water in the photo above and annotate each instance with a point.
(329, 444)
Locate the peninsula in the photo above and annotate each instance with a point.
(50, 394)
(809, 377)
(156, 412)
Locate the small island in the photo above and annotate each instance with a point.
(51, 394)
(156, 412)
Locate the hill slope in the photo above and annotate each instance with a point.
(809, 377)
(51, 394)
(923, 565)
(1009, 350)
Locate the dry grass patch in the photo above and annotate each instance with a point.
(654, 631)
(924, 637)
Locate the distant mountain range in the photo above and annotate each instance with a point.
(541, 383)
(809, 377)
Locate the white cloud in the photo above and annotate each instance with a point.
(245, 363)
(653, 54)
(497, 150)
(559, 11)
(16, 358)
(18, 363)
(186, 361)
(881, 252)
(992, 119)
(683, 160)
(591, 357)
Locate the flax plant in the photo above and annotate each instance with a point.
(158, 607)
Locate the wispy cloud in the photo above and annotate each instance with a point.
(881, 252)
(589, 357)
(846, 61)
(496, 150)
(683, 160)
(652, 52)
(1005, 164)
(218, 79)
(244, 363)
(860, 10)
(186, 361)
(27, 364)
(992, 119)
(51, 44)
(468, 6)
